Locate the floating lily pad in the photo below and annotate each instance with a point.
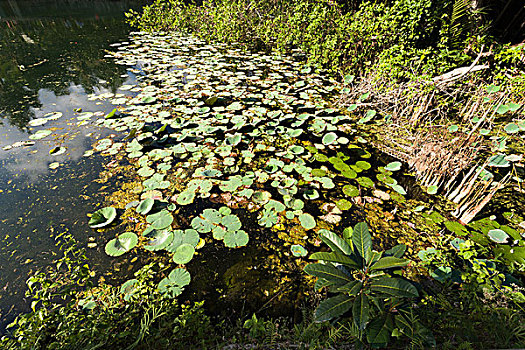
(129, 288)
(512, 128)
(122, 244)
(307, 221)
(40, 134)
(174, 284)
(157, 239)
(184, 254)
(498, 236)
(145, 206)
(298, 250)
(56, 151)
(394, 166)
(160, 220)
(102, 217)
(234, 239)
(185, 197)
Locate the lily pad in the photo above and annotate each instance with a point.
(307, 221)
(234, 239)
(184, 254)
(157, 239)
(160, 220)
(298, 250)
(498, 236)
(145, 206)
(40, 134)
(102, 217)
(122, 244)
(174, 284)
(394, 166)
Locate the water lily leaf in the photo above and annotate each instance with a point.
(432, 189)
(183, 254)
(157, 239)
(185, 197)
(55, 151)
(394, 166)
(145, 206)
(231, 222)
(351, 191)
(37, 122)
(307, 221)
(40, 134)
(498, 160)
(512, 128)
(175, 282)
(102, 217)
(234, 239)
(122, 244)
(160, 220)
(145, 171)
(498, 236)
(129, 288)
(329, 138)
(453, 128)
(111, 114)
(502, 109)
(298, 250)
(261, 197)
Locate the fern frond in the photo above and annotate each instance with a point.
(459, 20)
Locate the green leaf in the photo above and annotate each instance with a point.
(183, 254)
(394, 166)
(145, 206)
(234, 239)
(379, 330)
(512, 128)
(361, 311)
(298, 250)
(332, 307)
(102, 217)
(307, 221)
(335, 257)
(362, 240)
(122, 244)
(389, 262)
(394, 286)
(160, 220)
(328, 272)
(336, 243)
(498, 236)
(396, 251)
(157, 239)
(351, 288)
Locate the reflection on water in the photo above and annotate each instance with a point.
(51, 60)
(51, 45)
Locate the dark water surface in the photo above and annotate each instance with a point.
(51, 60)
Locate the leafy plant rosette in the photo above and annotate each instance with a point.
(365, 282)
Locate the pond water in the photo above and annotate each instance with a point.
(51, 60)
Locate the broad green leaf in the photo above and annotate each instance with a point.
(389, 262)
(351, 288)
(361, 311)
(379, 330)
(396, 251)
(394, 286)
(335, 242)
(335, 257)
(362, 240)
(332, 307)
(102, 217)
(328, 272)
